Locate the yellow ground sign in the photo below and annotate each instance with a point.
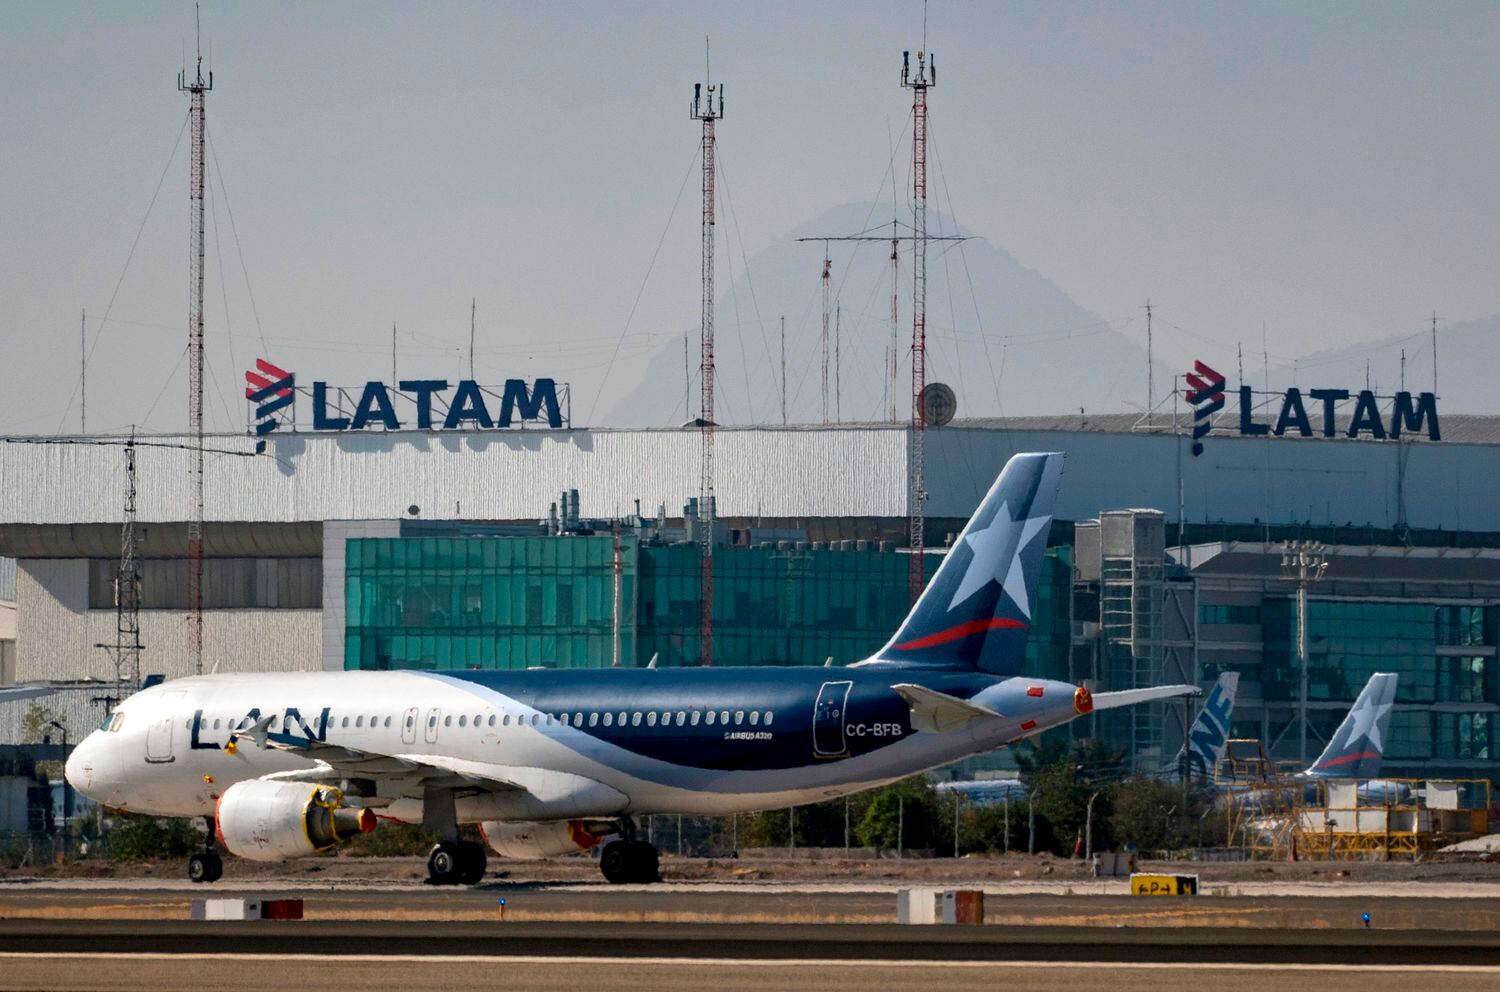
(1163, 885)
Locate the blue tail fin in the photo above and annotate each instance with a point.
(976, 611)
(1358, 745)
(1209, 733)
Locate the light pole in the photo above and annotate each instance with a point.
(1031, 822)
(1304, 563)
(957, 798)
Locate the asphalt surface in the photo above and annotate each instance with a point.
(156, 972)
(759, 942)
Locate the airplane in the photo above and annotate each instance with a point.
(549, 762)
(984, 791)
(1206, 739)
(1354, 752)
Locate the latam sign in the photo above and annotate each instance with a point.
(426, 404)
(1407, 415)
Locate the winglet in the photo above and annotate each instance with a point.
(652, 662)
(257, 731)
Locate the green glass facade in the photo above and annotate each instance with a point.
(514, 602)
(1445, 655)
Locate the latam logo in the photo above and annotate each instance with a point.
(425, 404)
(1206, 398)
(271, 390)
(1408, 414)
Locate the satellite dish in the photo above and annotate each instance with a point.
(939, 403)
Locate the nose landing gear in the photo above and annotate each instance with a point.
(206, 865)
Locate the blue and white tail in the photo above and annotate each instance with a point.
(1358, 745)
(976, 611)
(1209, 734)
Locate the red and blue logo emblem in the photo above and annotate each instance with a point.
(272, 390)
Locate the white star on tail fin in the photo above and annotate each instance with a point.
(997, 557)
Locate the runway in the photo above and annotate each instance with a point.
(291, 973)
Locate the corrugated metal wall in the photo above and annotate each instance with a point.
(833, 472)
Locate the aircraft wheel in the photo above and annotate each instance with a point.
(615, 861)
(645, 865)
(205, 867)
(472, 862)
(444, 863)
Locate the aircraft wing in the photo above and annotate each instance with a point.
(412, 771)
(529, 792)
(938, 712)
(1129, 697)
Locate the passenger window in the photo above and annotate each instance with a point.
(666, 719)
(681, 718)
(448, 720)
(387, 721)
(359, 721)
(463, 721)
(492, 719)
(739, 717)
(754, 717)
(609, 719)
(709, 718)
(593, 719)
(635, 719)
(431, 721)
(651, 719)
(344, 723)
(577, 719)
(724, 717)
(216, 722)
(769, 714)
(622, 718)
(695, 718)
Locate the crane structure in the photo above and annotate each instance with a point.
(919, 83)
(708, 113)
(196, 88)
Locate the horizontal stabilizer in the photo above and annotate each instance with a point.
(1129, 697)
(939, 713)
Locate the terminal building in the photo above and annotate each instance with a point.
(383, 549)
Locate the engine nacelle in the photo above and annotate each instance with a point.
(275, 821)
(547, 839)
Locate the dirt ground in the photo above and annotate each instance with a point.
(809, 867)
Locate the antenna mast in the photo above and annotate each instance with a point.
(924, 78)
(196, 88)
(125, 652)
(827, 298)
(708, 113)
(83, 371)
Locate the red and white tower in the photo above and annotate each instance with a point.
(919, 83)
(195, 88)
(708, 113)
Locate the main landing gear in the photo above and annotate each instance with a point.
(206, 865)
(628, 859)
(456, 863)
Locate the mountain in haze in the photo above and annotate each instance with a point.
(1468, 354)
(1004, 337)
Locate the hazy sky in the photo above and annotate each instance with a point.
(1325, 170)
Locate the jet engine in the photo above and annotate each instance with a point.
(547, 839)
(273, 821)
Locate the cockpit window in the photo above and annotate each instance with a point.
(112, 724)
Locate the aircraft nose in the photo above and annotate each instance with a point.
(85, 769)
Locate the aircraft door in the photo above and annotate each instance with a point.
(433, 716)
(409, 727)
(159, 734)
(828, 720)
